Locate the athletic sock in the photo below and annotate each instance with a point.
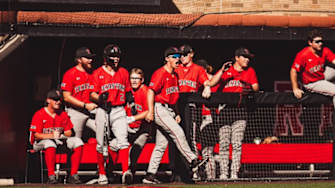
(124, 155)
(50, 160)
(75, 159)
(113, 155)
(100, 162)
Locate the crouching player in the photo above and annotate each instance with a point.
(136, 109)
(50, 128)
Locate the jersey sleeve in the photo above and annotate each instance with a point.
(94, 82)
(298, 63)
(202, 77)
(144, 99)
(156, 82)
(128, 87)
(253, 78)
(67, 84)
(36, 124)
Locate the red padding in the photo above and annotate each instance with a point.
(251, 153)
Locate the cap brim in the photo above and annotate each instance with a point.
(250, 56)
(90, 55)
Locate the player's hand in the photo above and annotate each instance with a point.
(56, 134)
(130, 119)
(298, 93)
(226, 66)
(206, 93)
(90, 106)
(178, 119)
(149, 117)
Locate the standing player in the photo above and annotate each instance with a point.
(190, 78)
(137, 109)
(112, 80)
(310, 62)
(162, 98)
(239, 77)
(49, 128)
(76, 88)
(206, 128)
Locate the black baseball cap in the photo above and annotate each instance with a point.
(171, 50)
(244, 52)
(185, 49)
(54, 94)
(84, 52)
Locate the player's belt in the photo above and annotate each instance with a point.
(165, 105)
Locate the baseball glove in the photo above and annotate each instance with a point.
(270, 140)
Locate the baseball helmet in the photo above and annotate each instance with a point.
(112, 50)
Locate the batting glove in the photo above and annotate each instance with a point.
(130, 119)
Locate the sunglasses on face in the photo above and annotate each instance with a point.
(175, 56)
(56, 99)
(318, 41)
(135, 78)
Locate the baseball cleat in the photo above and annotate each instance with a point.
(52, 179)
(150, 179)
(196, 164)
(102, 180)
(74, 179)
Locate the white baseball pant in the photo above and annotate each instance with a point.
(79, 120)
(208, 153)
(71, 142)
(231, 134)
(164, 117)
(118, 123)
(323, 87)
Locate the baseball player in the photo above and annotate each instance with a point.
(162, 98)
(190, 78)
(206, 128)
(50, 128)
(239, 77)
(112, 80)
(310, 62)
(76, 91)
(137, 109)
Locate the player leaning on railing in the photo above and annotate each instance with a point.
(237, 77)
(310, 62)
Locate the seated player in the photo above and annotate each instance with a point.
(50, 128)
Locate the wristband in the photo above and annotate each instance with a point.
(85, 106)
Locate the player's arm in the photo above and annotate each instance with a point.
(294, 81)
(141, 116)
(77, 103)
(42, 136)
(94, 96)
(216, 78)
(151, 99)
(255, 87)
(68, 133)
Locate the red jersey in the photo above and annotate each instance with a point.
(42, 122)
(234, 81)
(78, 83)
(116, 85)
(141, 104)
(165, 86)
(311, 65)
(191, 78)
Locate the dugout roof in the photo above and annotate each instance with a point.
(164, 26)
